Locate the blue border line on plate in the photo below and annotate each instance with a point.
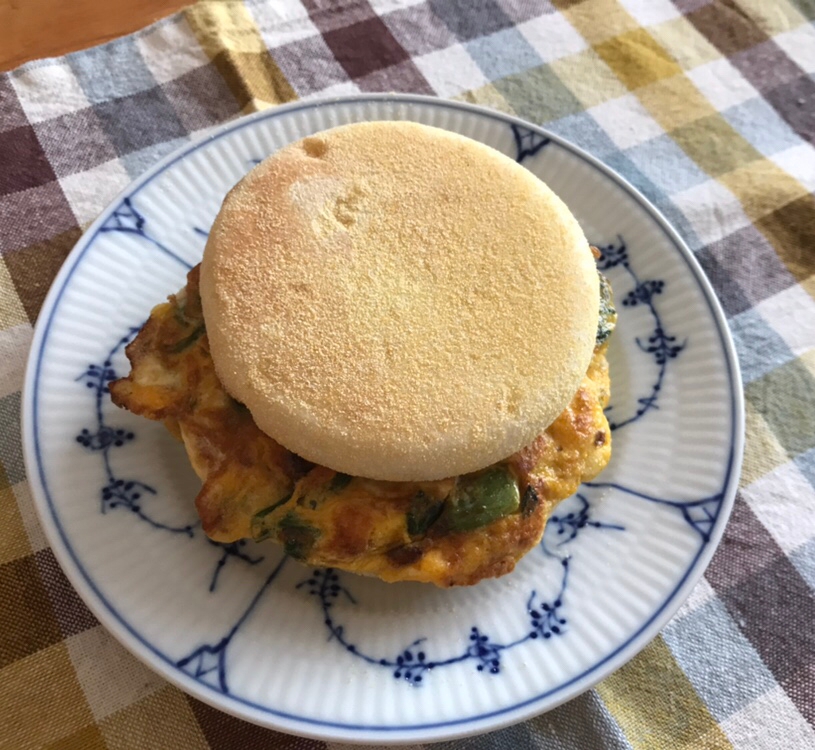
(286, 110)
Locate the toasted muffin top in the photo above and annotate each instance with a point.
(398, 302)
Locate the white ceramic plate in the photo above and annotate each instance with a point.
(342, 657)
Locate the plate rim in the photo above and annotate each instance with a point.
(120, 629)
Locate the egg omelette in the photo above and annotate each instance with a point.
(454, 531)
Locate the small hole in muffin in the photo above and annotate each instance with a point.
(315, 147)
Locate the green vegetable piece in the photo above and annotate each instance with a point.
(482, 499)
(262, 526)
(423, 513)
(608, 314)
(189, 340)
(180, 317)
(238, 406)
(297, 536)
(340, 482)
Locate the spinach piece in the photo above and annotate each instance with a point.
(424, 511)
(339, 482)
(608, 314)
(297, 536)
(261, 526)
(188, 340)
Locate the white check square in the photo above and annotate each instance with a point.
(626, 121)
(770, 722)
(649, 12)
(48, 90)
(281, 21)
(799, 44)
(799, 161)
(722, 84)
(88, 192)
(451, 71)
(787, 313)
(713, 211)
(784, 501)
(111, 678)
(552, 37)
(167, 52)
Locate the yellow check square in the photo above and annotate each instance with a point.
(762, 451)
(654, 677)
(225, 25)
(486, 96)
(773, 18)
(791, 230)
(44, 709)
(763, 187)
(588, 78)
(163, 719)
(637, 58)
(597, 20)
(683, 42)
(714, 145)
(14, 540)
(12, 312)
(674, 102)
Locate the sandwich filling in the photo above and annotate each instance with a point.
(453, 531)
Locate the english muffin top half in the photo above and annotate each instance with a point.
(398, 302)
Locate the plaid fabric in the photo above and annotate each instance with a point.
(707, 107)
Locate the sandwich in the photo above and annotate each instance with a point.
(391, 359)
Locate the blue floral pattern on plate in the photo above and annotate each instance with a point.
(414, 662)
(241, 585)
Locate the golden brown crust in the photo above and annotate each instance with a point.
(398, 302)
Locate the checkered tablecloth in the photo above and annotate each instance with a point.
(707, 107)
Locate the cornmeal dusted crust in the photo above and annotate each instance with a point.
(398, 302)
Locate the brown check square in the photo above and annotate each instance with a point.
(726, 26)
(25, 163)
(404, 77)
(329, 15)
(766, 66)
(224, 732)
(791, 230)
(309, 65)
(69, 610)
(775, 609)
(419, 30)
(201, 98)
(89, 143)
(30, 216)
(468, 20)
(800, 686)
(795, 102)
(33, 268)
(744, 269)
(140, 120)
(365, 47)
(27, 620)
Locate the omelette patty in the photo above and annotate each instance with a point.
(455, 531)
